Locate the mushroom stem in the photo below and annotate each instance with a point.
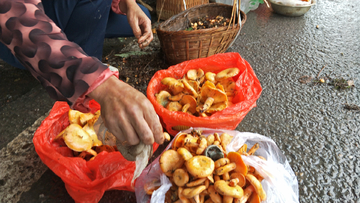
(214, 196)
(257, 186)
(223, 188)
(226, 176)
(185, 108)
(242, 149)
(202, 145)
(208, 102)
(247, 193)
(253, 149)
(228, 199)
(225, 169)
(197, 198)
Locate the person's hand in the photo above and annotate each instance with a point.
(127, 113)
(139, 22)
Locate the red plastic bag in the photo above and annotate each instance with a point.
(85, 181)
(247, 86)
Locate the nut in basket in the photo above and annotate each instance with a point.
(180, 45)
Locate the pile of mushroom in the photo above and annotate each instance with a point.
(199, 93)
(198, 176)
(81, 137)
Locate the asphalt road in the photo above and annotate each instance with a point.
(308, 121)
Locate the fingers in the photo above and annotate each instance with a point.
(141, 26)
(146, 37)
(122, 130)
(154, 123)
(148, 126)
(127, 113)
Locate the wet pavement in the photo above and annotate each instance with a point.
(308, 121)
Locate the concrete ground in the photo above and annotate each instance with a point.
(311, 122)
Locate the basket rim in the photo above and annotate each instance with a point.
(243, 20)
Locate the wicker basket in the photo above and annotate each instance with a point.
(167, 8)
(179, 45)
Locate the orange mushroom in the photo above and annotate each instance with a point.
(189, 88)
(257, 186)
(180, 177)
(163, 97)
(91, 131)
(210, 76)
(227, 73)
(240, 165)
(174, 85)
(77, 139)
(223, 187)
(188, 99)
(174, 106)
(169, 161)
(200, 166)
(208, 91)
(194, 74)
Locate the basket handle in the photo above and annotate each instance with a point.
(239, 19)
(185, 3)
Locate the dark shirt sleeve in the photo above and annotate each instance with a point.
(61, 66)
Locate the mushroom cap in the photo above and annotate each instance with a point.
(240, 177)
(76, 138)
(178, 141)
(174, 106)
(196, 182)
(177, 97)
(217, 107)
(180, 177)
(189, 88)
(214, 152)
(191, 192)
(90, 130)
(162, 97)
(227, 73)
(208, 91)
(84, 117)
(96, 116)
(194, 74)
(168, 81)
(210, 76)
(74, 116)
(194, 84)
(223, 187)
(254, 198)
(188, 99)
(200, 166)
(176, 86)
(169, 161)
(208, 83)
(241, 167)
(228, 86)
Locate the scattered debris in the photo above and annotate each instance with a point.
(132, 53)
(352, 107)
(341, 83)
(338, 83)
(305, 79)
(320, 71)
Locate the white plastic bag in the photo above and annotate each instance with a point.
(280, 183)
